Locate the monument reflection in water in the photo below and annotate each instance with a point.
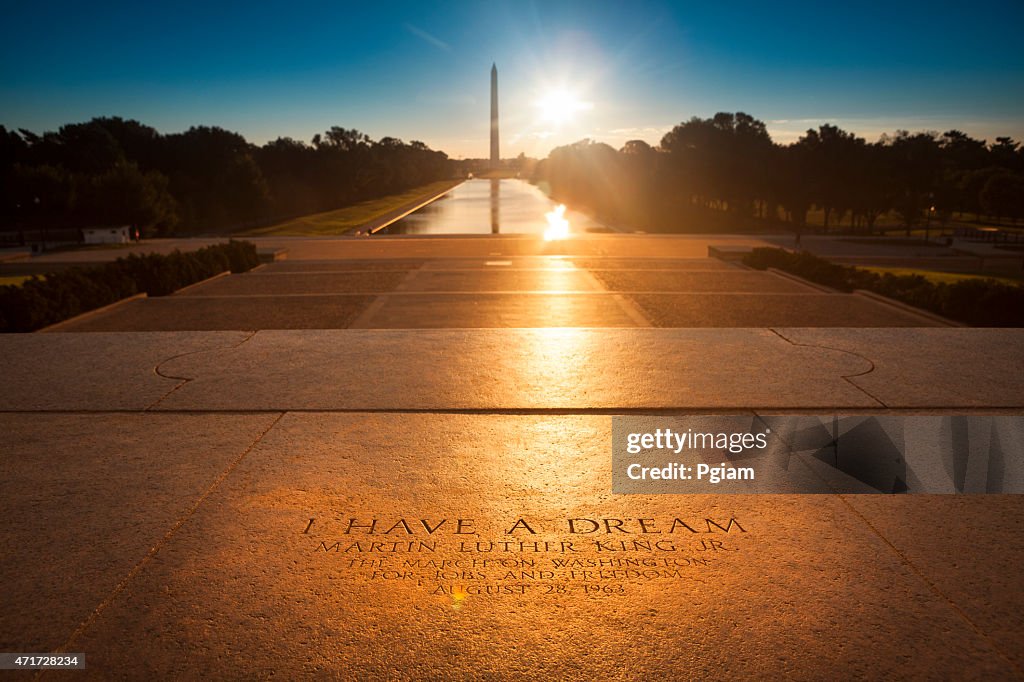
(495, 206)
(489, 206)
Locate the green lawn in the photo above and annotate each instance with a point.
(891, 223)
(902, 241)
(16, 280)
(344, 219)
(937, 277)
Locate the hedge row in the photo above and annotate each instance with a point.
(61, 295)
(977, 302)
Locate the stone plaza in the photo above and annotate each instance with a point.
(390, 457)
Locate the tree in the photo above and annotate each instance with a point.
(82, 148)
(213, 173)
(1004, 153)
(124, 195)
(916, 162)
(41, 195)
(1003, 195)
(792, 182)
(832, 154)
(720, 162)
(346, 140)
(141, 144)
(113, 170)
(871, 190)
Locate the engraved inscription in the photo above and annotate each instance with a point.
(587, 556)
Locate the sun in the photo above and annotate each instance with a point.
(561, 106)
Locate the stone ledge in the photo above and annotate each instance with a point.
(271, 255)
(89, 314)
(729, 254)
(517, 369)
(196, 285)
(806, 282)
(909, 308)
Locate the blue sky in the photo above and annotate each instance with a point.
(420, 71)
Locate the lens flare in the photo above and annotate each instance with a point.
(558, 226)
(561, 106)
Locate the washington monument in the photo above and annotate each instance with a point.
(495, 156)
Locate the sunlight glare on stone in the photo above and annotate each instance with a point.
(459, 595)
(558, 360)
(558, 226)
(561, 106)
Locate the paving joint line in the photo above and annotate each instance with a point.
(904, 559)
(483, 269)
(553, 412)
(931, 585)
(848, 378)
(184, 380)
(123, 584)
(629, 307)
(508, 292)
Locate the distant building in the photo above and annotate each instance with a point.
(107, 235)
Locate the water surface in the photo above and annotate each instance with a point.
(489, 206)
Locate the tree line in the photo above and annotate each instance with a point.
(725, 172)
(111, 171)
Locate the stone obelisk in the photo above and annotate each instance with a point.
(495, 156)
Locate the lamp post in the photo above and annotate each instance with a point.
(42, 245)
(928, 215)
(20, 222)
